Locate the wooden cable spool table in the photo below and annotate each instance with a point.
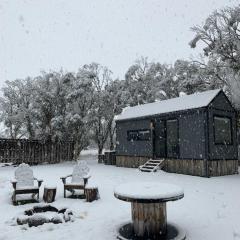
(148, 202)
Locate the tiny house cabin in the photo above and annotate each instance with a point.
(194, 134)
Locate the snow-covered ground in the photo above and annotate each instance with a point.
(209, 210)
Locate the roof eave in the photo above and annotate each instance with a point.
(161, 114)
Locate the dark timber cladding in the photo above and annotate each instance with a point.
(34, 151)
(195, 134)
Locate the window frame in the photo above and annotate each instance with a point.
(142, 130)
(214, 130)
(132, 131)
(137, 131)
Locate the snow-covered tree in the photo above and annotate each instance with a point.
(196, 76)
(17, 108)
(80, 100)
(115, 101)
(221, 36)
(61, 83)
(147, 82)
(136, 82)
(165, 85)
(46, 104)
(100, 77)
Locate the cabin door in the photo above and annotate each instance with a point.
(160, 139)
(172, 138)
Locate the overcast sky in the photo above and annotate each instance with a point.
(50, 34)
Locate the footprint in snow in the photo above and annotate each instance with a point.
(82, 215)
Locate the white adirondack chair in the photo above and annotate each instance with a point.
(79, 178)
(24, 183)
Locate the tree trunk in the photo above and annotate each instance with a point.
(30, 130)
(111, 135)
(111, 142)
(100, 149)
(77, 150)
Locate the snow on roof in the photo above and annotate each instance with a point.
(185, 102)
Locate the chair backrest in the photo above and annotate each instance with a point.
(24, 175)
(80, 171)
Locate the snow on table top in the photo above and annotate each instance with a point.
(148, 191)
(185, 102)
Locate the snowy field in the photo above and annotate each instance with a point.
(210, 209)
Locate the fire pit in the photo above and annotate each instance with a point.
(40, 214)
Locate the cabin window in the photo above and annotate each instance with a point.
(144, 135)
(138, 135)
(132, 135)
(172, 138)
(222, 130)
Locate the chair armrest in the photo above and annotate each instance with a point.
(14, 183)
(39, 182)
(85, 179)
(64, 178)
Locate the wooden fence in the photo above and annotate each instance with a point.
(34, 151)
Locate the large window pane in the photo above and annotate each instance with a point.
(222, 130)
(132, 135)
(139, 135)
(172, 138)
(144, 135)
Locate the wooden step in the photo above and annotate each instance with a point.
(155, 161)
(145, 170)
(152, 165)
(149, 167)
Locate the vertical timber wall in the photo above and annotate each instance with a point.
(222, 167)
(202, 168)
(186, 166)
(193, 167)
(130, 161)
(34, 151)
